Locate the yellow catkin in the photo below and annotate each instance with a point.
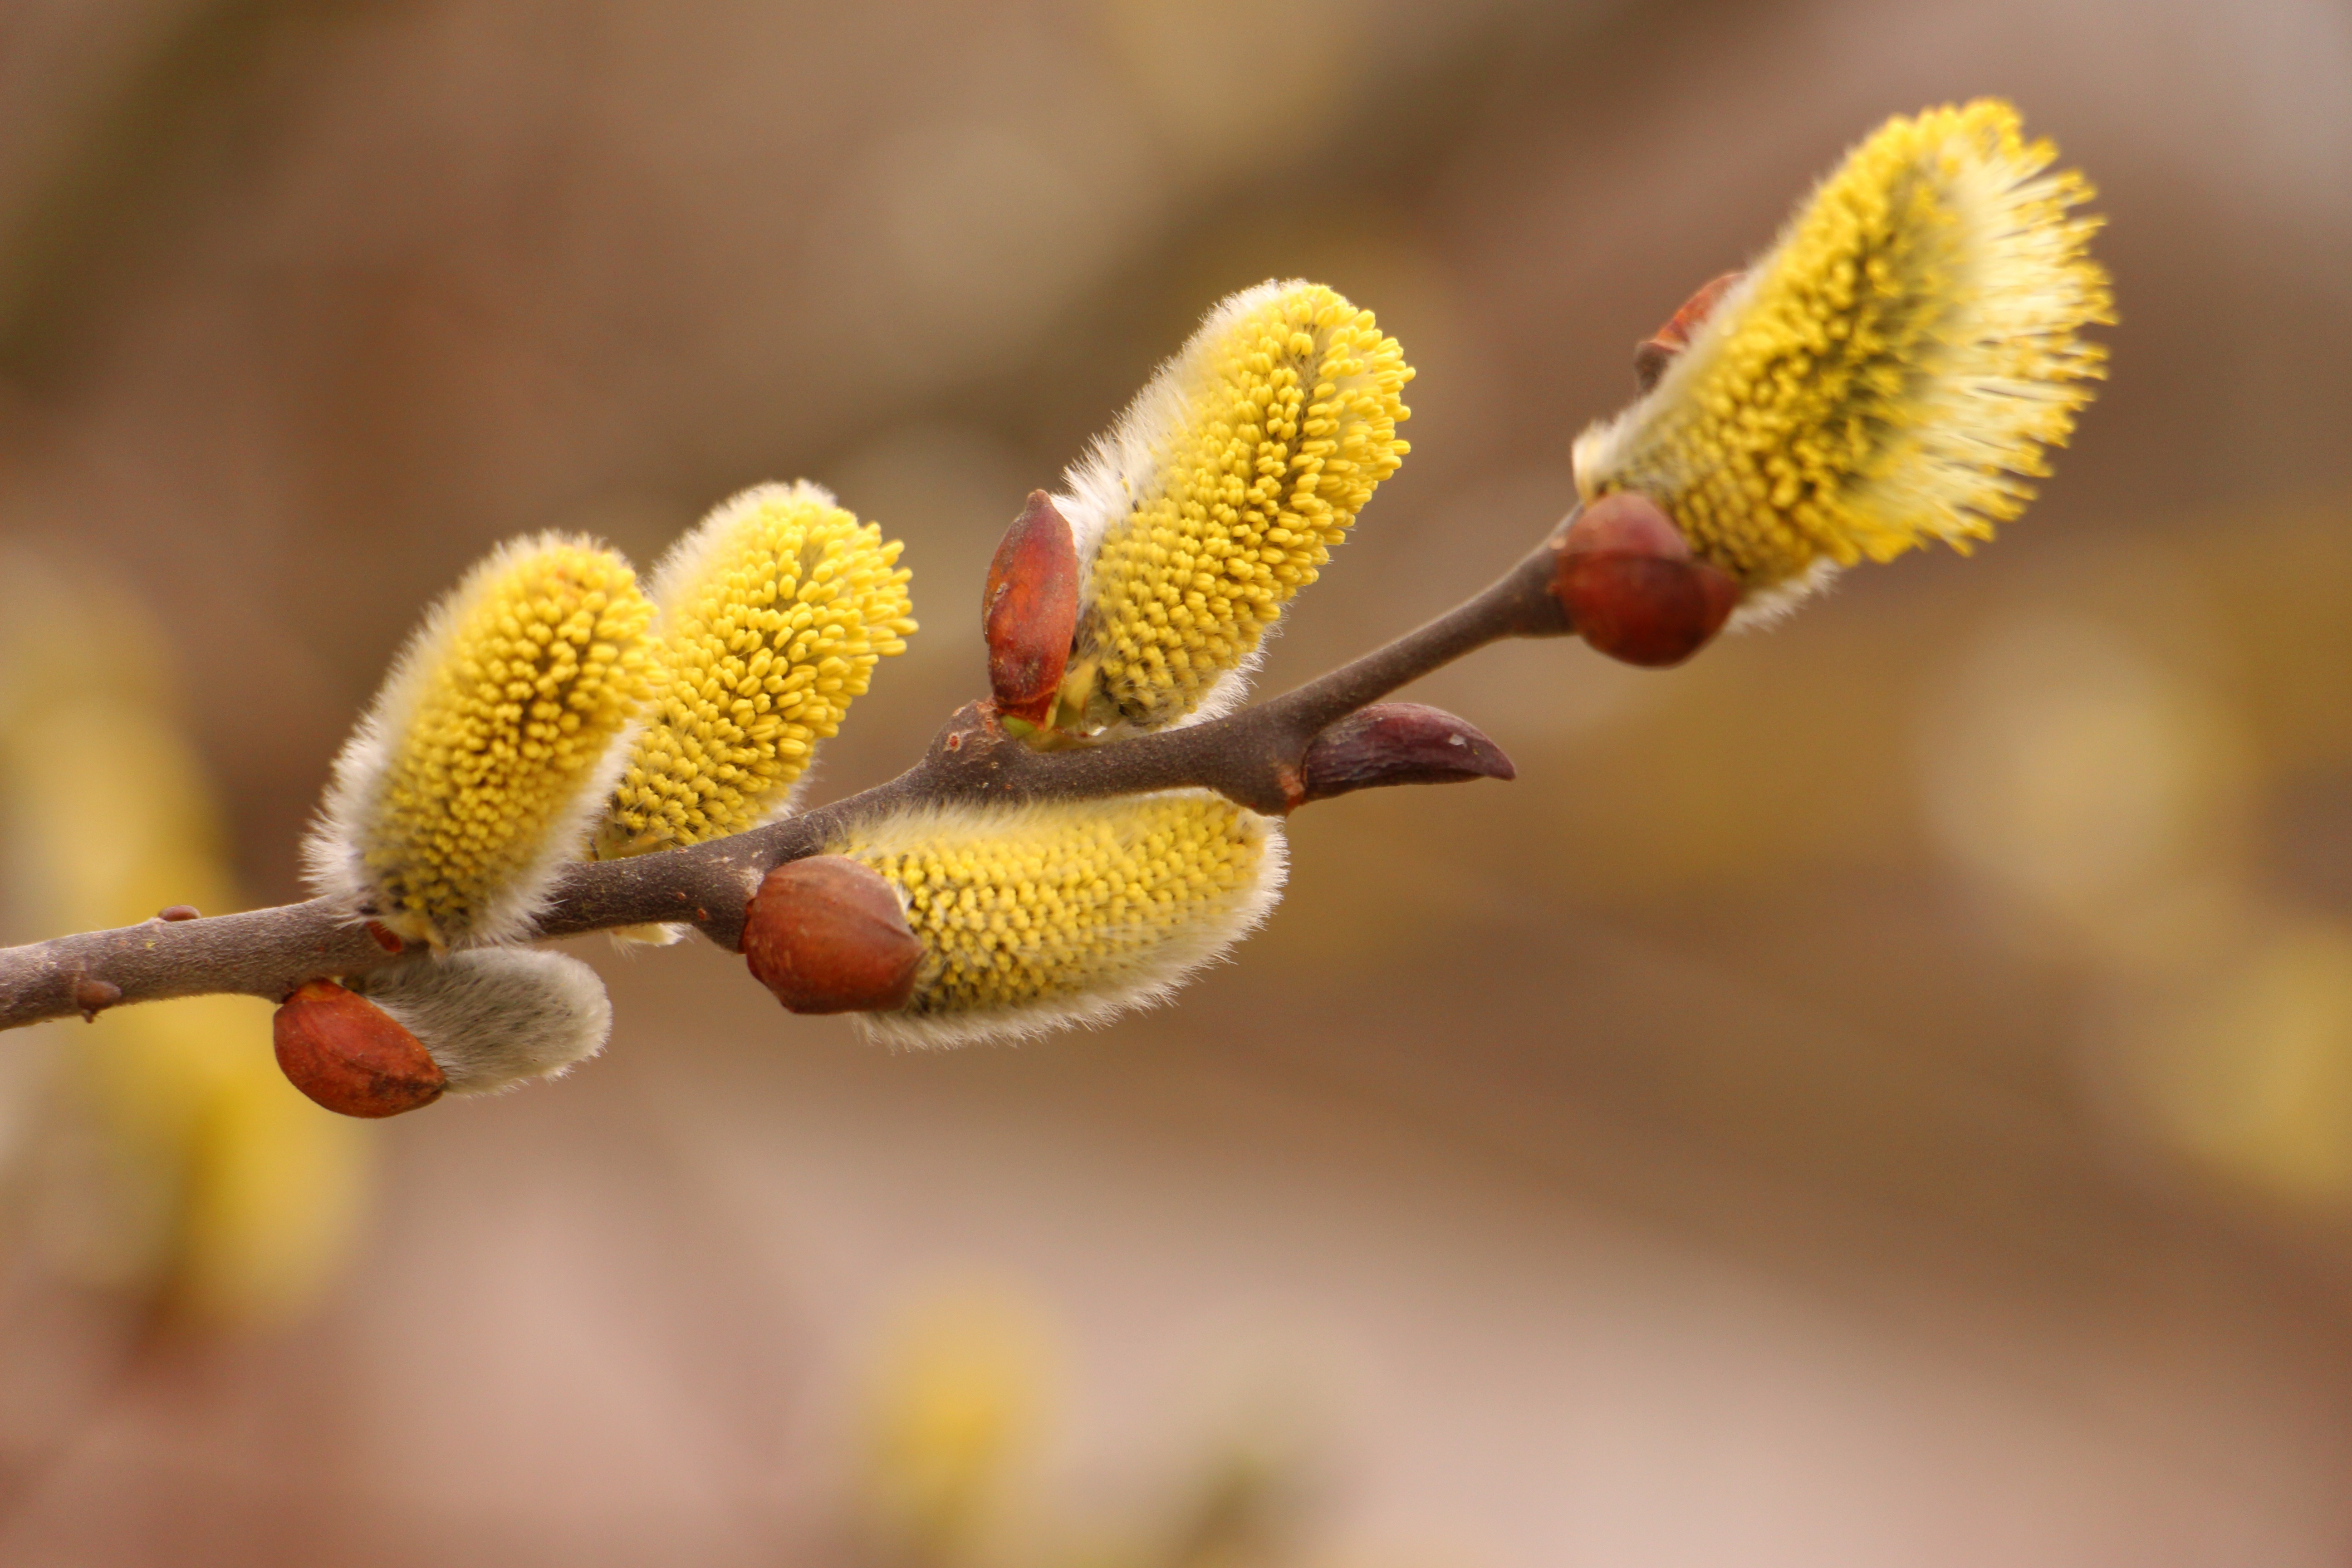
(1890, 372)
(1220, 494)
(774, 612)
(1036, 916)
(480, 769)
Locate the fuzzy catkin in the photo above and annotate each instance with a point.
(774, 612)
(1219, 494)
(493, 1018)
(1036, 916)
(477, 770)
(1889, 373)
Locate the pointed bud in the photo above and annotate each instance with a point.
(1626, 576)
(351, 1055)
(1030, 610)
(827, 935)
(1398, 743)
(94, 997)
(1653, 353)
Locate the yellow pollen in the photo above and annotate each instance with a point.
(774, 612)
(1035, 915)
(1221, 494)
(465, 788)
(1890, 372)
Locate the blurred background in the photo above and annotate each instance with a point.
(1881, 1095)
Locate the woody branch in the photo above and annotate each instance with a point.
(1327, 737)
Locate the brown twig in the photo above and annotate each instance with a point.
(1253, 757)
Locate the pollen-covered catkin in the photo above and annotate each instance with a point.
(773, 614)
(1219, 495)
(494, 1018)
(1889, 373)
(481, 765)
(1032, 917)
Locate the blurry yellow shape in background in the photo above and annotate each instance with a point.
(2248, 1069)
(960, 1391)
(2087, 785)
(2104, 798)
(220, 1192)
(965, 1386)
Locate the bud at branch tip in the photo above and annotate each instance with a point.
(1397, 743)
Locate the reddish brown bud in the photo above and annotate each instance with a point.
(1625, 575)
(1397, 743)
(1030, 610)
(94, 997)
(1625, 523)
(826, 935)
(351, 1055)
(1653, 353)
(180, 913)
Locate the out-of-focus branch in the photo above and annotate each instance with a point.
(165, 122)
(1261, 757)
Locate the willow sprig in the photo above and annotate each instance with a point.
(557, 752)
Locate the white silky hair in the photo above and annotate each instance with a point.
(494, 1018)
(1761, 609)
(1147, 978)
(1124, 467)
(335, 850)
(660, 933)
